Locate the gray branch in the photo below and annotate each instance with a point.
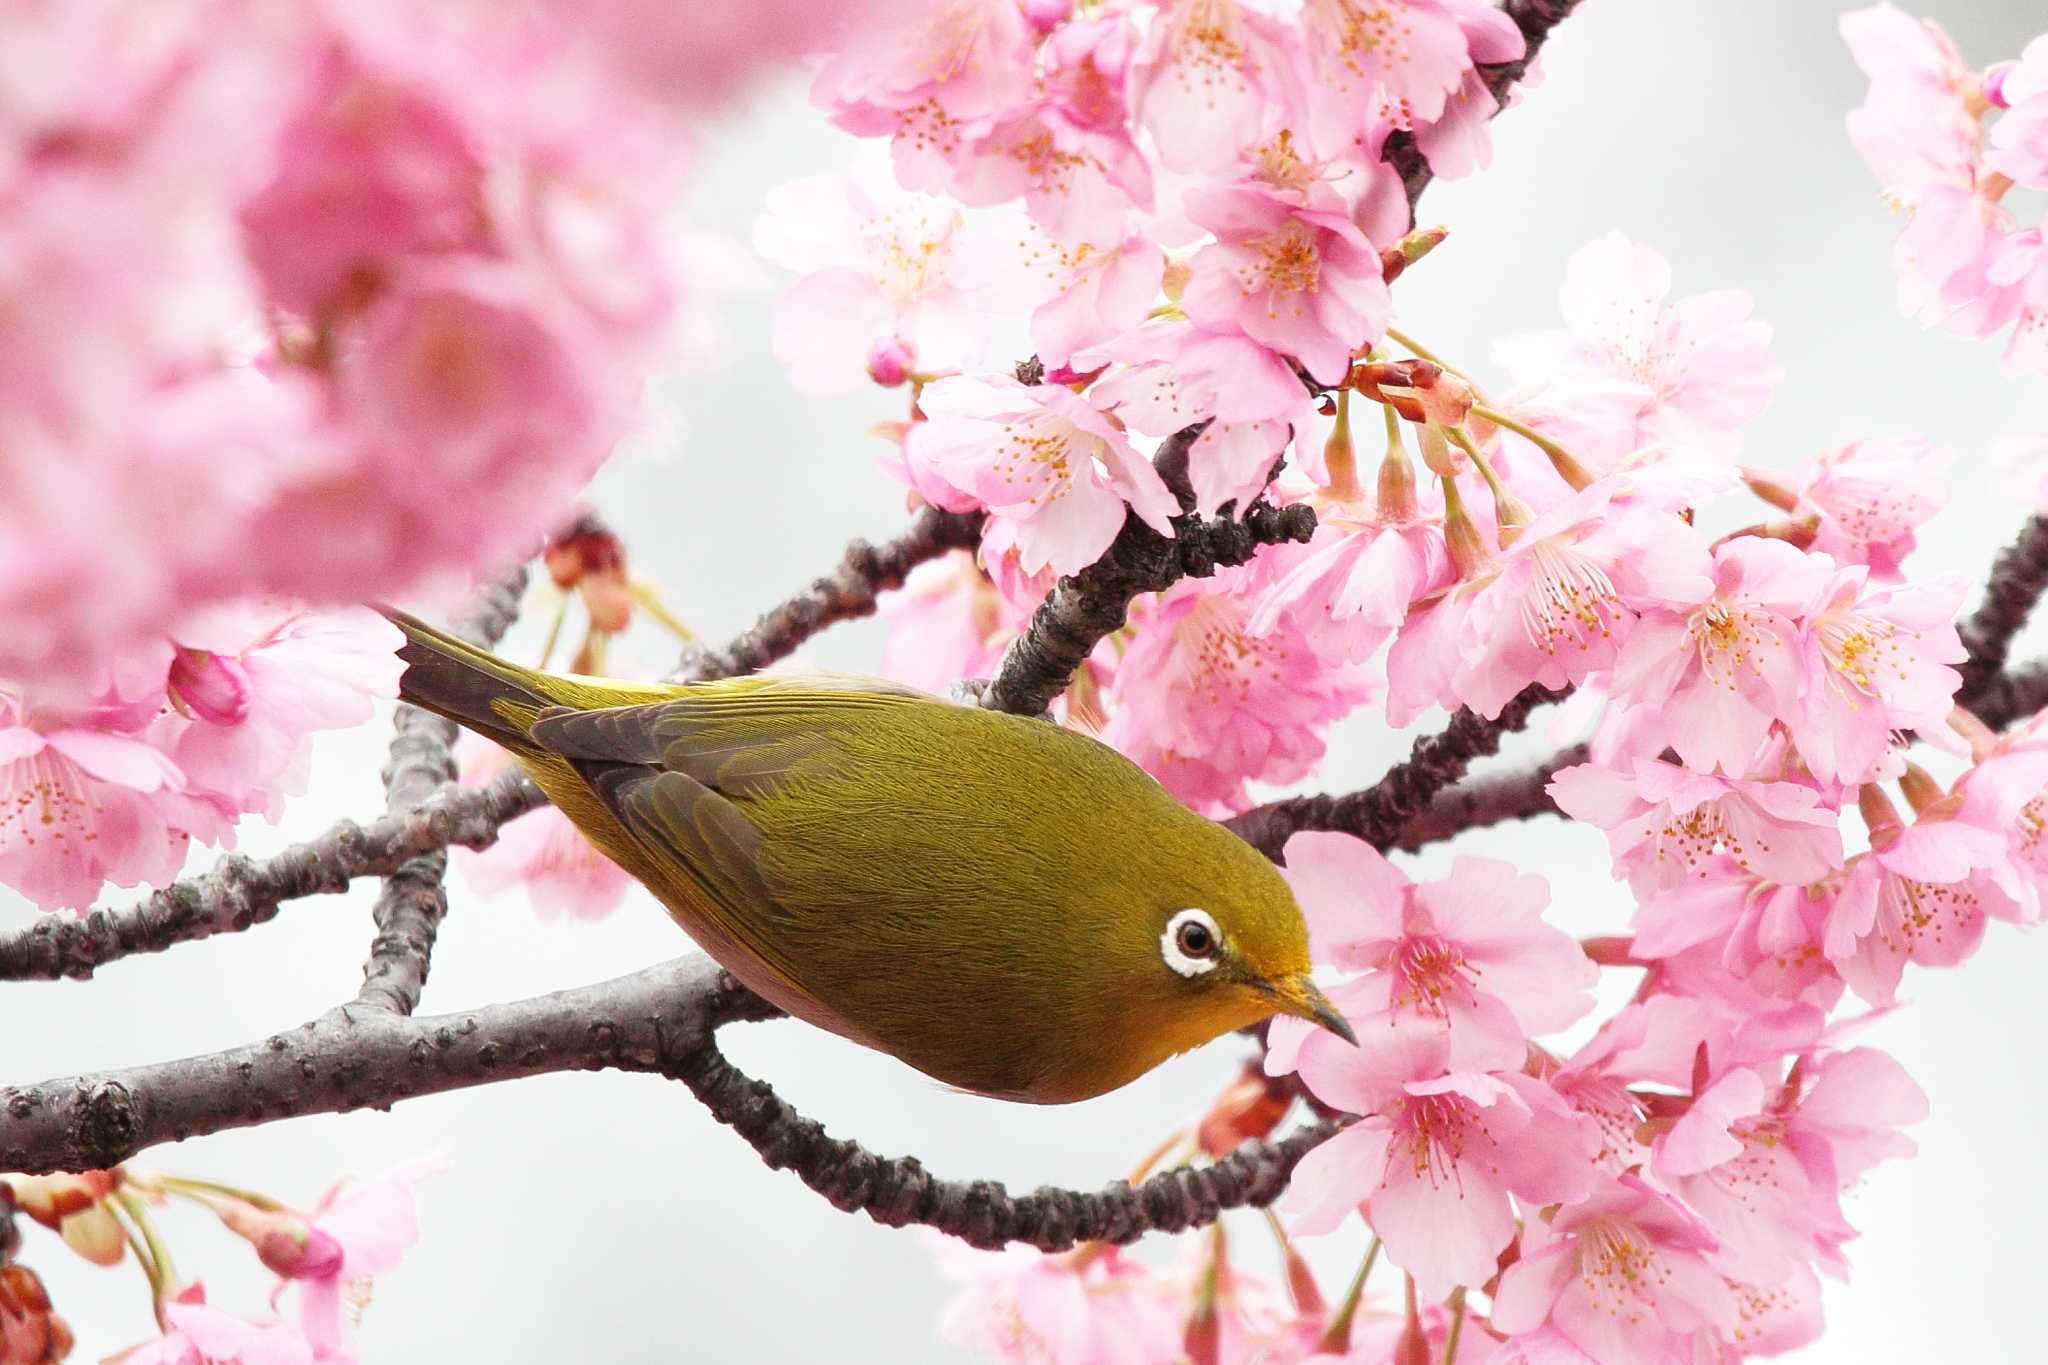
(414, 897)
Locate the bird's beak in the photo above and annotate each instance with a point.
(1298, 996)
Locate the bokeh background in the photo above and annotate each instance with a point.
(607, 1218)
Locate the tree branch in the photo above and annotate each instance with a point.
(2018, 577)
(1381, 813)
(847, 592)
(1536, 18)
(660, 1020)
(413, 899)
(1518, 795)
(1085, 607)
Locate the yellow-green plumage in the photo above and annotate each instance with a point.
(979, 895)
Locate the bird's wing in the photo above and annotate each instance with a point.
(680, 774)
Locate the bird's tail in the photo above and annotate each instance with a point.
(469, 685)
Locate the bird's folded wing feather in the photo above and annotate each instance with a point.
(679, 775)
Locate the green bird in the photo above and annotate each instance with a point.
(1010, 907)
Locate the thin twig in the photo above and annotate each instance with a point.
(414, 899)
(2018, 577)
(1085, 607)
(1381, 813)
(849, 591)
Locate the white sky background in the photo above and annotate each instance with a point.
(607, 1218)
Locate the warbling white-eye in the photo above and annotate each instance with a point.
(1008, 906)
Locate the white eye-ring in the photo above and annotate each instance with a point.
(1191, 942)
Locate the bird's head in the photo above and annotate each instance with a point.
(1242, 959)
(1210, 953)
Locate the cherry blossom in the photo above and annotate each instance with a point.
(371, 1223)
(1091, 1307)
(1665, 823)
(1303, 282)
(196, 1334)
(1869, 497)
(1436, 1159)
(1041, 457)
(1622, 1276)
(1206, 78)
(1206, 707)
(84, 800)
(1467, 959)
(1729, 666)
(1685, 373)
(1551, 609)
(1875, 661)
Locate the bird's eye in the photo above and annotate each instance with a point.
(1191, 942)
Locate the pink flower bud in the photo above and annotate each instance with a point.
(284, 1241)
(890, 361)
(209, 687)
(1047, 15)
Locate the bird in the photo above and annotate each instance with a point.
(1011, 907)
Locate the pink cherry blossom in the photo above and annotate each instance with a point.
(542, 852)
(1468, 958)
(195, 1334)
(255, 681)
(1848, 1119)
(2019, 139)
(880, 265)
(1870, 496)
(1652, 1040)
(1104, 289)
(1875, 662)
(1042, 457)
(1718, 674)
(1181, 376)
(935, 68)
(1686, 373)
(1728, 1160)
(1436, 1159)
(1757, 940)
(1664, 823)
(85, 800)
(1093, 1307)
(1552, 609)
(1622, 1276)
(1208, 78)
(1368, 63)
(1302, 282)
(1373, 557)
(1068, 154)
(1923, 892)
(1206, 707)
(372, 1222)
(1915, 127)
(946, 622)
(1460, 141)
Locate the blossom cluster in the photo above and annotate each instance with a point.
(346, 265)
(328, 1254)
(1951, 143)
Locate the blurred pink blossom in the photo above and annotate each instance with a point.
(541, 851)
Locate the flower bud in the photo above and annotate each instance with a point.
(209, 687)
(1047, 15)
(1251, 1107)
(890, 361)
(30, 1333)
(284, 1241)
(49, 1199)
(1410, 249)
